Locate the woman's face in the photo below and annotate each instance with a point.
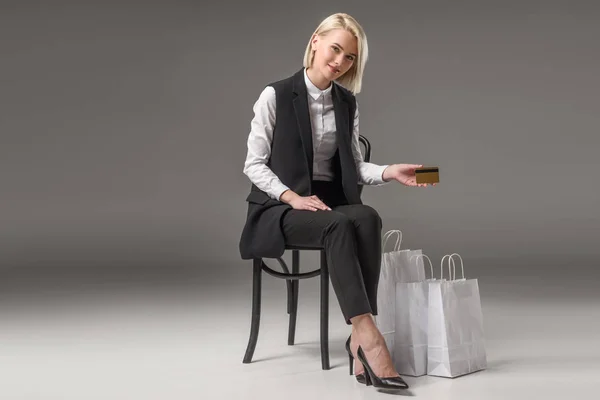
(334, 53)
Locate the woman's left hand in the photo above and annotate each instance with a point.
(403, 173)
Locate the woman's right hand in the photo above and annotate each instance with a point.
(310, 203)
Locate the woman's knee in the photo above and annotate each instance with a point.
(367, 213)
(339, 221)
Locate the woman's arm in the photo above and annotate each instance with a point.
(373, 174)
(259, 146)
(259, 152)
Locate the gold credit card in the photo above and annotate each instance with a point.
(427, 174)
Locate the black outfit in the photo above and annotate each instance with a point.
(350, 233)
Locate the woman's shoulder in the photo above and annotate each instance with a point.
(270, 90)
(282, 84)
(267, 93)
(266, 100)
(345, 92)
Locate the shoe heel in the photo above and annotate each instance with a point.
(350, 356)
(395, 382)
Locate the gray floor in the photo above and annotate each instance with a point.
(131, 334)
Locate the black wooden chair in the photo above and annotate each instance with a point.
(292, 279)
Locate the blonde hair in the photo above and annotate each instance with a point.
(352, 79)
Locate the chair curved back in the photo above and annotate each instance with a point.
(367, 145)
(366, 156)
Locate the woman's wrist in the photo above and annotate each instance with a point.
(388, 173)
(288, 196)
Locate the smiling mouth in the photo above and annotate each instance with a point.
(334, 69)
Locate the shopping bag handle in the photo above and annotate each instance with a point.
(451, 261)
(442, 267)
(388, 235)
(462, 267)
(428, 259)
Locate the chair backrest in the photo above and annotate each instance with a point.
(367, 145)
(366, 156)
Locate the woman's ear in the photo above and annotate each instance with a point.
(313, 42)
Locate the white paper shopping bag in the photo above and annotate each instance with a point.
(410, 337)
(456, 343)
(395, 267)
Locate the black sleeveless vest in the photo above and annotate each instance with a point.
(292, 161)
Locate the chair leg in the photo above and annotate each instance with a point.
(256, 295)
(293, 302)
(324, 312)
(290, 289)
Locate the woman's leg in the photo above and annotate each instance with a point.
(336, 233)
(367, 227)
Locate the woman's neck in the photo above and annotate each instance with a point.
(317, 79)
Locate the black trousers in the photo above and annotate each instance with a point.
(351, 237)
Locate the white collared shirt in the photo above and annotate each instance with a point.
(322, 117)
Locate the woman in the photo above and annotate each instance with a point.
(305, 166)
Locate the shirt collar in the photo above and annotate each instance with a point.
(314, 91)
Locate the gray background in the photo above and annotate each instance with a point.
(123, 129)
(124, 124)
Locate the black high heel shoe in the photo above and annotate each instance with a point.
(360, 377)
(395, 382)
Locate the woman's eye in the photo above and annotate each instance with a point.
(334, 48)
(350, 58)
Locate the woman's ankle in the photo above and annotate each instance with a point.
(360, 321)
(365, 332)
